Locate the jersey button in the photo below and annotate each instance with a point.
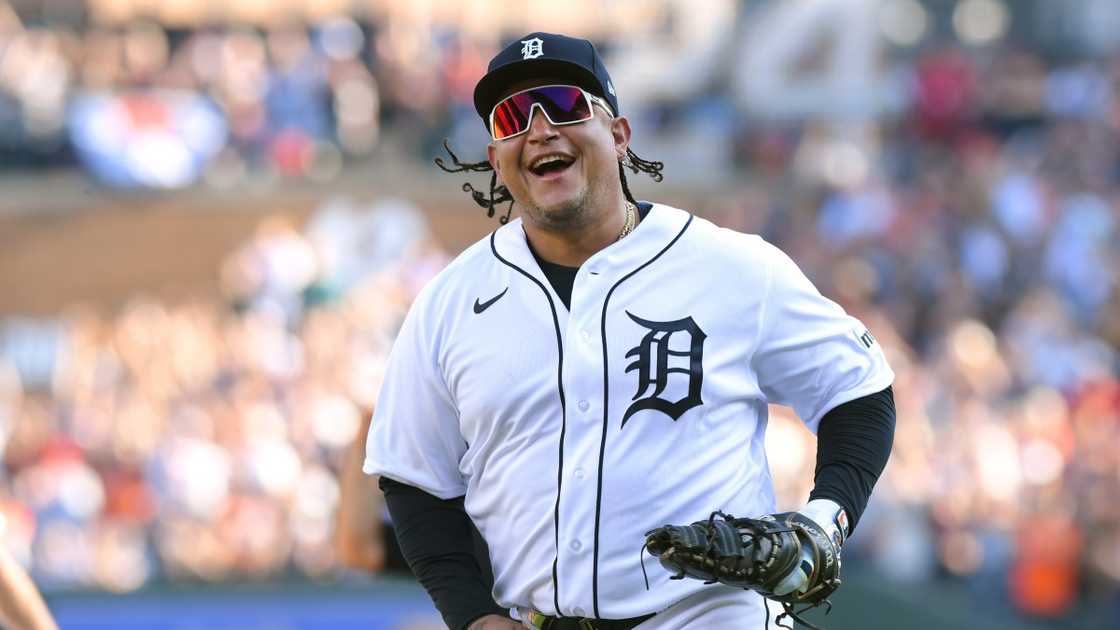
(579, 612)
(583, 405)
(576, 546)
(586, 335)
(579, 473)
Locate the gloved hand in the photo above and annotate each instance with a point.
(791, 557)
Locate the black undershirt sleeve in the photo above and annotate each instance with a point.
(853, 443)
(445, 552)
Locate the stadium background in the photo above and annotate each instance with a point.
(213, 216)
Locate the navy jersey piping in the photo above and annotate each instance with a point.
(606, 415)
(563, 419)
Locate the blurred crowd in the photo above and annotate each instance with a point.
(217, 104)
(982, 245)
(212, 104)
(203, 440)
(976, 231)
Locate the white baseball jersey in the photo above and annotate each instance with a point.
(573, 432)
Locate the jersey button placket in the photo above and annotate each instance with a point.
(583, 368)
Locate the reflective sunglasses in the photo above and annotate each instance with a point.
(561, 104)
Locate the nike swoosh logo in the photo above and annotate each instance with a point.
(482, 306)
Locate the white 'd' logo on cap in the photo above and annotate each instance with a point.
(532, 48)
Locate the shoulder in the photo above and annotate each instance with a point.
(719, 243)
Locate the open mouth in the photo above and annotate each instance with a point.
(551, 165)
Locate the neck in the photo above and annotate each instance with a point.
(573, 247)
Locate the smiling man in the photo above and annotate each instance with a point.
(565, 176)
(600, 367)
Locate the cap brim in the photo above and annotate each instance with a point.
(491, 87)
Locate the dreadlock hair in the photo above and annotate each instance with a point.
(500, 194)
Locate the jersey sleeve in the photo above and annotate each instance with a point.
(810, 354)
(414, 436)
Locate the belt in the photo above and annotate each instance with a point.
(544, 622)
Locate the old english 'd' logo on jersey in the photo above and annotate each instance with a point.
(659, 355)
(532, 48)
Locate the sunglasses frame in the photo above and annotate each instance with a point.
(592, 100)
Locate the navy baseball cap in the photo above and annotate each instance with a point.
(540, 55)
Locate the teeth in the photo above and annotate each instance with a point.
(544, 159)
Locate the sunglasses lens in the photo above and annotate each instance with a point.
(509, 119)
(562, 104)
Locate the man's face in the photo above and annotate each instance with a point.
(570, 193)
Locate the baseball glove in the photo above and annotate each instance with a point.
(758, 554)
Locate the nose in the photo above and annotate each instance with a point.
(540, 129)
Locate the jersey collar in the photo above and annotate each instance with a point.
(661, 225)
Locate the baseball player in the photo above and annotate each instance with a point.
(601, 366)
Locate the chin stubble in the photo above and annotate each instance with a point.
(566, 216)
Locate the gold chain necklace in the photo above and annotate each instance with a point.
(630, 223)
